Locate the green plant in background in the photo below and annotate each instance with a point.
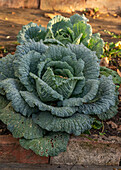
(73, 30)
(113, 52)
(106, 72)
(96, 9)
(49, 92)
(97, 124)
(112, 34)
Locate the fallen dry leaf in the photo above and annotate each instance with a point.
(93, 17)
(119, 129)
(12, 53)
(113, 125)
(13, 13)
(8, 37)
(115, 15)
(51, 15)
(118, 71)
(1, 55)
(104, 62)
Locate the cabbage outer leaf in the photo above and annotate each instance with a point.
(109, 113)
(12, 88)
(19, 125)
(76, 18)
(6, 67)
(75, 124)
(50, 145)
(31, 31)
(33, 101)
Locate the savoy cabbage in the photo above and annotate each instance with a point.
(49, 92)
(64, 30)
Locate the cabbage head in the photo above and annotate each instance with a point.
(64, 30)
(50, 92)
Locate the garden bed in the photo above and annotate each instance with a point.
(93, 149)
(98, 146)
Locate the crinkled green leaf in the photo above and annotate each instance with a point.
(66, 87)
(58, 19)
(52, 41)
(33, 101)
(84, 29)
(31, 31)
(6, 67)
(91, 65)
(75, 124)
(109, 113)
(49, 78)
(89, 93)
(79, 87)
(78, 39)
(60, 28)
(96, 44)
(50, 145)
(29, 46)
(3, 102)
(26, 64)
(61, 57)
(45, 92)
(19, 125)
(76, 18)
(12, 88)
(49, 34)
(22, 50)
(90, 90)
(60, 65)
(106, 72)
(104, 100)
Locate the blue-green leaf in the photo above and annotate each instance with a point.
(59, 19)
(109, 113)
(107, 72)
(12, 88)
(33, 101)
(103, 101)
(31, 31)
(89, 93)
(91, 65)
(75, 124)
(45, 92)
(26, 64)
(76, 18)
(66, 87)
(22, 50)
(19, 125)
(52, 41)
(96, 44)
(3, 102)
(6, 67)
(51, 145)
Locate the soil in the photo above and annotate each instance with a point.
(12, 20)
